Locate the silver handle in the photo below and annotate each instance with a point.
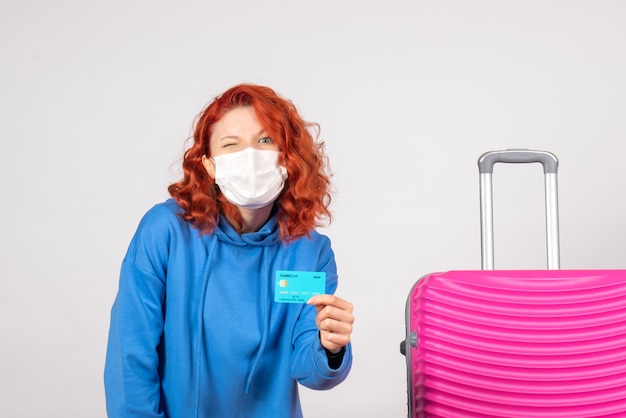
(550, 167)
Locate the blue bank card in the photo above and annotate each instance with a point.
(298, 286)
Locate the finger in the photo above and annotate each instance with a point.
(330, 300)
(336, 314)
(334, 341)
(334, 326)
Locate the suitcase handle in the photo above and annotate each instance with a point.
(550, 167)
(489, 159)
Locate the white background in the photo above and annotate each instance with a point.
(97, 99)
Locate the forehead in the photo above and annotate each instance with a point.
(239, 122)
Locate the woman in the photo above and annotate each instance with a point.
(198, 327)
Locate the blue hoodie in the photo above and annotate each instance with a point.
(195, 331)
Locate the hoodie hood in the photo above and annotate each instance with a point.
(268, 234)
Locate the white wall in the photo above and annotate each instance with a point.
(97, 98)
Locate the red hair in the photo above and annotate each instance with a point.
(305, 199)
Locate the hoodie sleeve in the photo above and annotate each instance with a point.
(309, 363)
(131, 378)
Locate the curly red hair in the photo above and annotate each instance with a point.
(305, 199)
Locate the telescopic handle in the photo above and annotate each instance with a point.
(550, 167)
(489, 159)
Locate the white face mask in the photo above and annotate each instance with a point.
(250, 178)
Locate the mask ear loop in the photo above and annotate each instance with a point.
(209, 166)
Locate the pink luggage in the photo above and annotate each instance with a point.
(525, 343)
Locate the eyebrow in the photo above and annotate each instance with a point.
(261, 132)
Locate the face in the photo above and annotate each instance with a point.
(238, 129)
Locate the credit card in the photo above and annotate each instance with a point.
(298, 286)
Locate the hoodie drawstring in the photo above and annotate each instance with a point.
(265, 313)
(200, 330)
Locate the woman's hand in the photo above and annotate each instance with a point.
(334, 320)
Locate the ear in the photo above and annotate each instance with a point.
(209, 166)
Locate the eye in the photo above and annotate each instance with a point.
(265, 140)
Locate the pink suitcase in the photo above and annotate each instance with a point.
(527, 343)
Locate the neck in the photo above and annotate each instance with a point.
(253, 219)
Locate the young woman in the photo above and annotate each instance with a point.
(198, 327)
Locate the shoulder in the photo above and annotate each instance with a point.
(162, 221)
(159, 227)
(314, 243)
(317, 236)
(167, 210)
(163, 217)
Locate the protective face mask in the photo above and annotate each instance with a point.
(250, 178)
